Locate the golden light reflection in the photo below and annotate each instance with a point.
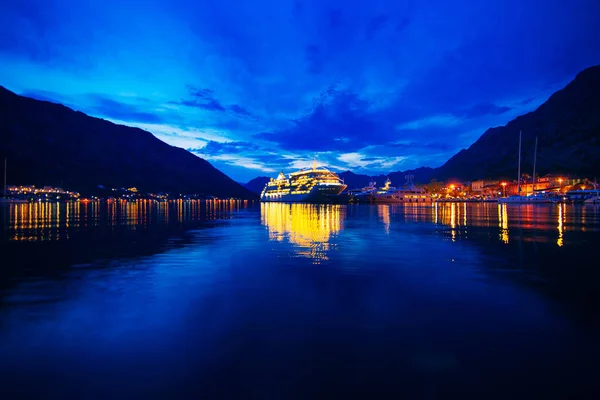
(56, 220)
(503, 222)
(383, 210)
(560, 240)
(453, 220)
(221, 209)
(309, 227)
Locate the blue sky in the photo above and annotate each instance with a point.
(262, 86)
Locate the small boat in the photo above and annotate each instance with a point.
(526, 199)
(362, 195)
(409, 193)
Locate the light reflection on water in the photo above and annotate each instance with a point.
(54, 221)
(235, 300)
(307, 226)
(303, 224)
(312, 227)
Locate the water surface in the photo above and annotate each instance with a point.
(279, 301)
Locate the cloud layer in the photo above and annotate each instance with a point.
(263, 86)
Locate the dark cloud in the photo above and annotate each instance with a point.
(334, 18)
(437, 146)
(201, 98)
(527, 101)
(483, 109)
(314, 59)
(339, 121)
(210, 105)
(205, 99)
(415, 80)
(402, 24)
(239, 110)
(107, 107)
(204, 94)
(375, 24)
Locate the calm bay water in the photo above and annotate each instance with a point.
(279, 301)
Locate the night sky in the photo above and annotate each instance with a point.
(260, 86)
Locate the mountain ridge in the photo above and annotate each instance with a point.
(48, 143)
(257, 184)
(567, 126)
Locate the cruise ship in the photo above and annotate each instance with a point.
(316, 184)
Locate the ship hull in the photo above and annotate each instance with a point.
(319, 194)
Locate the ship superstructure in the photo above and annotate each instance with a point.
(316, 184)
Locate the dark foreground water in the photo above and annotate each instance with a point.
(276, 301)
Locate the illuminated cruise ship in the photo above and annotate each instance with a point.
(314, 184)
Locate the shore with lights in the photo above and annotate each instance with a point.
(31, 193)
(552, 188)
(558, 188)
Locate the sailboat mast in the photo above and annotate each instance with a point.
(534, 160)
(519, 167)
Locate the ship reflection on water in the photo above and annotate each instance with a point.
(313, 230)
(131, 299)
(309, 227)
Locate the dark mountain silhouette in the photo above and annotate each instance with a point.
(50, 144)
(398, 178)
(257, 184)
(568, 129)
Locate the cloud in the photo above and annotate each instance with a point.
(108, 107)
(213, 147)
(239, 110)
(483, 109)
(340, 120)
(358, 161)
(378, 79)
(375, 24)
(232, 160)
(314, 59)
(402, 24)
(205, 99)
(436, 120)
(46, 95)
(201, 98)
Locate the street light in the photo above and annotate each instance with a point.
(560, 181)
(504, 188)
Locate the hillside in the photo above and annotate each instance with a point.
(50, 144)
(257, 184)
(398, 178)
(568, 129)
